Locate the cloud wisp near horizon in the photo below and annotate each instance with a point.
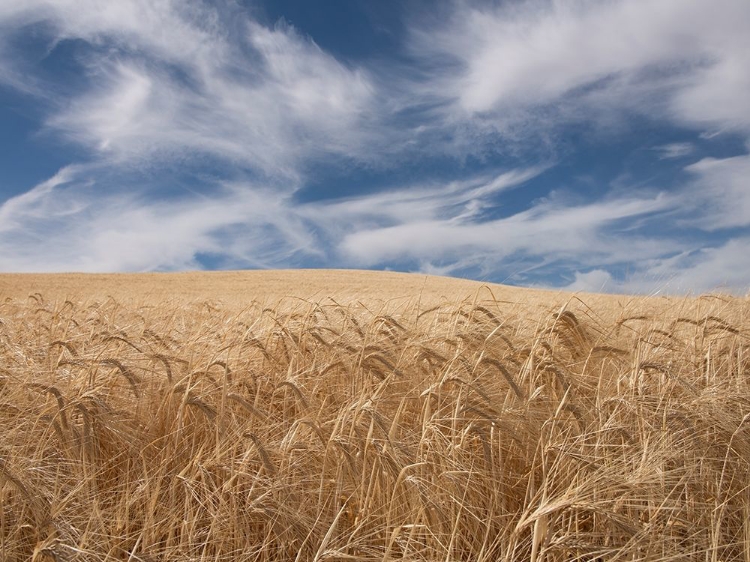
(584, 145)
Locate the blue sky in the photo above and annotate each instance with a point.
(587, 145)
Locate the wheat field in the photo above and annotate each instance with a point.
(366, 416)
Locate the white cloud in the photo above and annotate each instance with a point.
(107, 229)
(307, 80)
(173, 31)
(36, 203)
(594, 281)
(177, 79)
(675, 150)
(529, 56)
(548, 230)
(725, 267)
(717, 94)
(74, 223)
(687, 60)
(455, 201)
(120, 115)
(721, 193)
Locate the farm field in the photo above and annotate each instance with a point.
(343, 415)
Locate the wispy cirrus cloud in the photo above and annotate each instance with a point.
(35, 204)
(75, 221)
(548, 233)
(722, 268)
(168, 77)
(200, 127)
(529, 54)
(675, 150)
(721, 193)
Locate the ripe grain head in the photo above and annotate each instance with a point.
(472, 429)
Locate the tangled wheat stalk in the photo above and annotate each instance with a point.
(314, 431)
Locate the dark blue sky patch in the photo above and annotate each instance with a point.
(351, 30)
(28, 154)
